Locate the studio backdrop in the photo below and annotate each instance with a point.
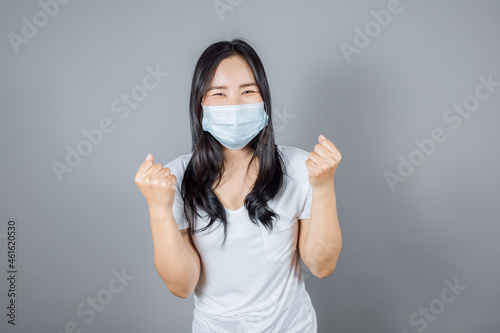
(408, 91)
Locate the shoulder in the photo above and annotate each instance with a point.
(293, 152)
(295, 159)
(178, 165)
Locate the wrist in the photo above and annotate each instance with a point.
(324, 187)
(159, 211)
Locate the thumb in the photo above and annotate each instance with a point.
(150, 158)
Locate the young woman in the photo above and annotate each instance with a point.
(230, 219)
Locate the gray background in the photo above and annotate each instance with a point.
(399, 246)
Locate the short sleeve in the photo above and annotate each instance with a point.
(178, 207)
(306, 212)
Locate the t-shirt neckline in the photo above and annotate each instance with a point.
(232, 211)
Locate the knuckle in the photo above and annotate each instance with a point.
(172, 181)
(139, 180)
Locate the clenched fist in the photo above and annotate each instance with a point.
(156, 184)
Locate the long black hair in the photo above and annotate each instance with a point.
(206, 163)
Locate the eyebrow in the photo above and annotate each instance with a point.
(225, 87)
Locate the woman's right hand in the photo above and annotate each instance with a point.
(156, 184)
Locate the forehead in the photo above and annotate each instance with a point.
(234, 68)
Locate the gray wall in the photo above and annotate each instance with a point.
(417, 188)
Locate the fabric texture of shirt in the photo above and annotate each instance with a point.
(255, 283)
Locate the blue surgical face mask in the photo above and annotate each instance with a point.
(234, 126)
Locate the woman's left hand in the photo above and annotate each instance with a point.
(322, 163)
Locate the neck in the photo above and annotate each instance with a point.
(237, 158)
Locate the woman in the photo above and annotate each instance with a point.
(246, 208)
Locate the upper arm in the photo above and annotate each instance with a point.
(188, 241)
(303, 231)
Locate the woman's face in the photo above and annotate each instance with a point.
(233, 83)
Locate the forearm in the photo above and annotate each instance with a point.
(324, 239)
(174, 263)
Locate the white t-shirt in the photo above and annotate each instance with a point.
(255, 283)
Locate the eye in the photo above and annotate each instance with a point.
(249, 91)
(217, 94)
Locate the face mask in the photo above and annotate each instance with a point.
(234, 126)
